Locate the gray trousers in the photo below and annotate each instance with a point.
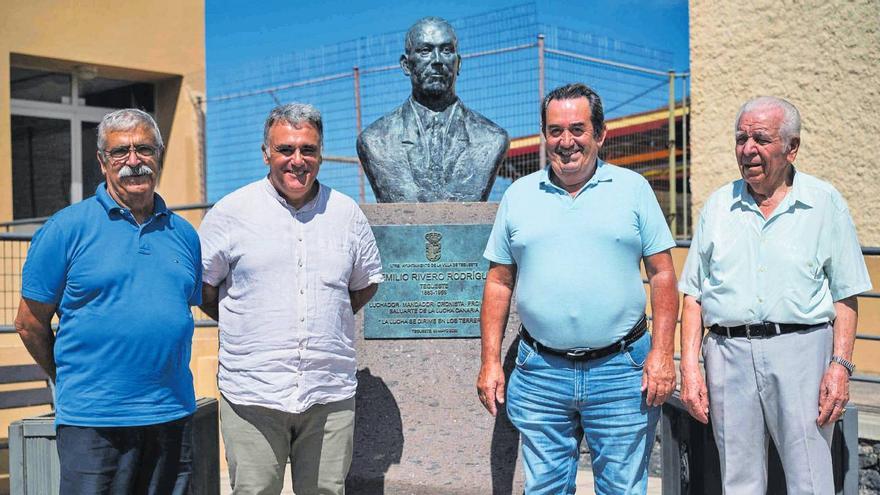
(260, 441)
(769, 388)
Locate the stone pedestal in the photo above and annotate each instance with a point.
(420, 428)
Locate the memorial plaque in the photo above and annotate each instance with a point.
(433, 288)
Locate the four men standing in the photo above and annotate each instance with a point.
(773, 272)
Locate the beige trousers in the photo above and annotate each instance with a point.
(260, 441)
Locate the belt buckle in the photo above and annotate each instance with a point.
(758, 334)
(576, 353)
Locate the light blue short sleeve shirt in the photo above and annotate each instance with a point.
(788, 268)
(578, 280)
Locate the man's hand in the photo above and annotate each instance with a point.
(834, 388)
(493, 319)
(693, 387)
(658, 377)
(694, 394)
(833, 394)
(490, 387)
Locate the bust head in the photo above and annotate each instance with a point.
(431, 61)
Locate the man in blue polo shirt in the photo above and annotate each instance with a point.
(571, 237)
(121, 271)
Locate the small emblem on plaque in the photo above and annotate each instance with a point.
(432, 246)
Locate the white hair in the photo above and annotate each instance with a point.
(791, 118)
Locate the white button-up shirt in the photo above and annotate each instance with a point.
(286, 322)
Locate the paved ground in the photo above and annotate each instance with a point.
(584, 484)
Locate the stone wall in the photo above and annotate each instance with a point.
(823, 57)
(869, 467)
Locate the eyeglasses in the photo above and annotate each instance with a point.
(141, 150)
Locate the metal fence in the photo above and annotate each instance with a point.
(14, 246)
(509, 62)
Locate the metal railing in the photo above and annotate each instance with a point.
(13, 250)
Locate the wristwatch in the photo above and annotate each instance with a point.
(850, 367)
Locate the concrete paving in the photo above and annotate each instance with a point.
(584, 485)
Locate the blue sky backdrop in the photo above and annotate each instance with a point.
(240, 31)
(260, 55)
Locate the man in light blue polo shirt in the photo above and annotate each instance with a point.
(773, 271)
(571, 238)
(121, 271)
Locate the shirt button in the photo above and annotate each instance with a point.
(300, 239)
(302, 291)
(302, 318)
(300, 263)
(760, 300)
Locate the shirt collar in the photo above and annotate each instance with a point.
(797, 194)
(602, 174)
(110, 204)
(424, 113)
(270, 189)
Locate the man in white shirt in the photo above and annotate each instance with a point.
(287, 263)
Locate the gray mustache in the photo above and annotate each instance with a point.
(136, 171)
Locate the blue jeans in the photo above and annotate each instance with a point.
(153, 459)
(554, 401)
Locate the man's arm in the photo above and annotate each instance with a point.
(210, 302)
(658, 379)
(834, 389)
(693, 386)
(493, 320)
(34, 325)
(359, 298)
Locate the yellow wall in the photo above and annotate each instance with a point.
(161, 41)
(157, 41)
(822, 56)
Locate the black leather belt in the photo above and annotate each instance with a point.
(760, 330)
(586, 354)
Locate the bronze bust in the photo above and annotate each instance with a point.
(432, 148)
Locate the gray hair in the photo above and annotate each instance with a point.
(791, 118)
(126, 120)
(415, 29)
(294, 114)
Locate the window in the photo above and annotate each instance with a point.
(54, 134)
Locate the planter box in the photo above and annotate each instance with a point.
(33, 458)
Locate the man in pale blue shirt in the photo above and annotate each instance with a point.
(571, 238)
(773, 271)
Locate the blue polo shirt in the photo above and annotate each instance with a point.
(578, 282)
(123, 293)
